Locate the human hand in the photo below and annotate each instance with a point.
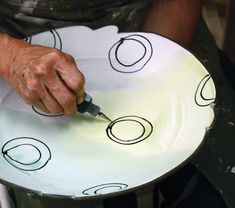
(46, 78)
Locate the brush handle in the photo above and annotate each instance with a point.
(88, 106)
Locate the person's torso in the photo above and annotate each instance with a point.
(27, 17)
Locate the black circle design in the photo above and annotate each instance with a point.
(144, 125)
(99, 189)
(46, 114)
(56, 34)
(136, 65)
(38, 161)
(57, 42)
(199, 97)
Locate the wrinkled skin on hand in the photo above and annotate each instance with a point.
(46, 78)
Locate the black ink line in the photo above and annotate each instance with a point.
(26, 166)
(131, 67)
(102, 188)
(52, 32)
(60, 41)
(202, 96)
(6, 155)
(118, 121)
(54, 35)
(28, 39)
(199, 92)
(96, 189)
(46, 115)
(144, 135)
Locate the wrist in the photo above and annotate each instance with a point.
(10, 49)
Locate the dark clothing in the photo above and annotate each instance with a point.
(21, 18)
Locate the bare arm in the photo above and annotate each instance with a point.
(42, 76)
(175, 19)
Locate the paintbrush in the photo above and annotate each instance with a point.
(88, 106)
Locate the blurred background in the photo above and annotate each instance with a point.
(220, 18)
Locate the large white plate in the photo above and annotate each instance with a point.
(158, 95)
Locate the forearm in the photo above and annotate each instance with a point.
(175, 19)
(9, 49)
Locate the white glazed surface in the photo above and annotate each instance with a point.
(159, 88)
